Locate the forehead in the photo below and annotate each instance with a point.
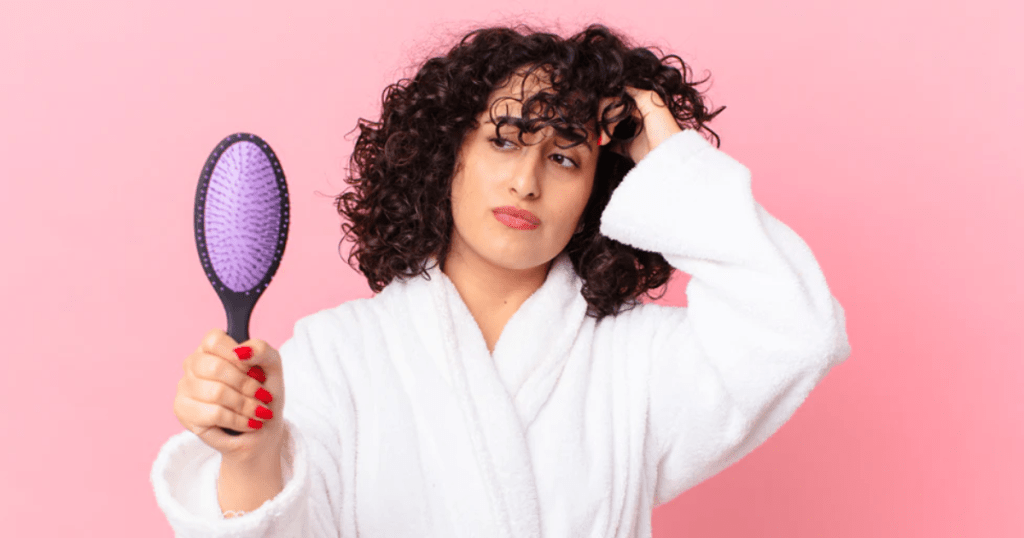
(507, 99)
(555, 111)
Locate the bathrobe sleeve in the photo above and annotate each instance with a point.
(761, 328)
(317, 411)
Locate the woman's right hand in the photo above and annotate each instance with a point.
(220, 389)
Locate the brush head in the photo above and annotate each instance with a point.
(241, 222)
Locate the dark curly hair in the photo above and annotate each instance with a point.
(399, 207)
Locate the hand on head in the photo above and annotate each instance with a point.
(654, 120)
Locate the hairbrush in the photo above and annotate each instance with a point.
(241, 225)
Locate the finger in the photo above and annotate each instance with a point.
(604, 136)
(261, 353)
(631, 124)
(644, 98)
(245, 380)
(205, 415)
(252, 401)
(243, 403)
(217, 342)
(243, 357)
(264, 361)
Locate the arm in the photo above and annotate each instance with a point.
(761, 328)
(185, 473)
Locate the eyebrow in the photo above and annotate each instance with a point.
(491, 122)
(505, 117)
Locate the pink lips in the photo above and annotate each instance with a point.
(514, 217)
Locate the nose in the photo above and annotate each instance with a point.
(526, 176)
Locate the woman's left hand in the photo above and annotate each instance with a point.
(658, 124)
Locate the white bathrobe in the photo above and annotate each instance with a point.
(401, 424)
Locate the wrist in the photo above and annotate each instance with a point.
(660, 131)
(244, 487)
(261, 465)
(266, 455)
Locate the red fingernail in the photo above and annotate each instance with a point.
(264, 396)
(243, 352)
(255, 424)
(258, 374)
(263, 412)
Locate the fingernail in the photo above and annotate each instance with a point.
(258, 374)
(255, 424)
(265, 413)
(264, 396)
(243, 352)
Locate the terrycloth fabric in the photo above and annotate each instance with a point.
(401, 423)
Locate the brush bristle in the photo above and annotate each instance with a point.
(242, 216)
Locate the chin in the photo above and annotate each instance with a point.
(509, 253)
(518, 263)
(513, 257)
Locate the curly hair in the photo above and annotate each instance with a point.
(399, 207)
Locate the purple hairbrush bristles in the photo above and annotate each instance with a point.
(242, 221)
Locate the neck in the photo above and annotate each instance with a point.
(492, 294)
(488, 285)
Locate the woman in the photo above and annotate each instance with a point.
(506, 380)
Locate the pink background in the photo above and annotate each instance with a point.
(882, 133)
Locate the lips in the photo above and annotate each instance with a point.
(514, 217)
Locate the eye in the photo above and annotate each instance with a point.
(564, 161)
(501, 143)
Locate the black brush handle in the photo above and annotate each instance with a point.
(238, 328)
(238, 321)
(238, 308)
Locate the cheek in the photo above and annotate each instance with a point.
(465, 201)
(582, 198)
(574, 201)
(456, 196)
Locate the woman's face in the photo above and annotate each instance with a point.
(499, 179)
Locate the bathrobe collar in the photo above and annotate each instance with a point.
(533, 345)
(500, 394)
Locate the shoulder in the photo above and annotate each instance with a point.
(357, 319)
(642, 314)
(334, 342)
(347, 318)
(339, 331)
(642, 325)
